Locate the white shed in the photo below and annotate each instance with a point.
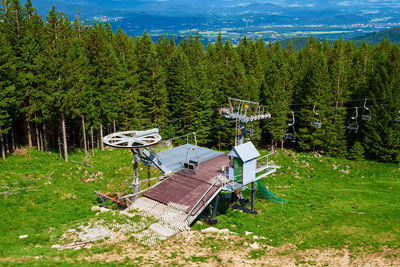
(244, 163)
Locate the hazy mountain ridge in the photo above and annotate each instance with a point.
(272, 20)
(371, 38)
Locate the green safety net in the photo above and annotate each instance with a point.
(269, 195)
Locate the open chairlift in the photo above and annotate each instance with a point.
(353, 124)
(316, 122)
(192, 163)
(366, 115)
(291, 136)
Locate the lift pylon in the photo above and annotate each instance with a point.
(244, 112)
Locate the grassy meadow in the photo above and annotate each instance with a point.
(331, 204)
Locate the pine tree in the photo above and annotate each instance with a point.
(276, 94)
(314, 87)
(105, 76)
(152, 84)
(339, 67)
(57, 33)
(30, 84)
(381, 134)
(7, 88)
(130, 108)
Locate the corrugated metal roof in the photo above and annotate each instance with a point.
(245, 152)
(174, 158)
(187, 188)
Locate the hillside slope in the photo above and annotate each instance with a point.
(334, 207)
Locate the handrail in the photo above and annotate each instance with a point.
(204, 195)
(264, 156)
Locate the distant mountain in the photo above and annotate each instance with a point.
(268, 19)
(371, 38)
(300, 42)
(376, 37)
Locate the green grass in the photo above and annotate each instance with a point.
(326, 207)
(44, 208)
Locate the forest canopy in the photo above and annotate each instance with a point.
(63, 81)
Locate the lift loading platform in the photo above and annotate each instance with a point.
(195, 190)
(190, 189)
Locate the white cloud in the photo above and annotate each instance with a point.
(344, 3)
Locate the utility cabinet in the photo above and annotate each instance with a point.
(243, 163)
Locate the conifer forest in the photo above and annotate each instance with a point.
(66, 83)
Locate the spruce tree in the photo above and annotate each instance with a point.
(381, 135)
(57, 34)
(276, 94)
(7, 87)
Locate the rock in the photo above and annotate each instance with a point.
(210, 230)
(224, 231)
(255, 237)
(254, 246)
(245, 244)
(104, 209)
(334, 166)
(71, 230)
(23, 236)
(94, 208)
(345, 171)
(56, 246)
(248, 233)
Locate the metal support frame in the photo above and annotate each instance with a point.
(253, 196)
(135, 182)
(212, 219)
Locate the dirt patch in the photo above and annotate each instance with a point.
(20, 152)
(215, 249)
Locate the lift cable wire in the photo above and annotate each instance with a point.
(288, 112)
(332, 109)
(267, 106)
(196, 132)
(180, 118)
(325, 103)
(272, 113)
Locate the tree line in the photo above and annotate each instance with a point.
(64, 84)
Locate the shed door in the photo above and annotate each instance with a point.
(238, 165)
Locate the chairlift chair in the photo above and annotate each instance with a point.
(249, 132)
(291, 136)
(353, 124)
(316, 122)
(190, 163)
(366, 116)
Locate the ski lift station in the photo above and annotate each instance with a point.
(193, 176)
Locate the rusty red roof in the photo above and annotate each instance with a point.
(187, 188)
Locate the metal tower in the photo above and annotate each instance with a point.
(244, 112)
